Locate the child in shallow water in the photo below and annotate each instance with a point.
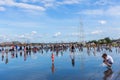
(107, 60)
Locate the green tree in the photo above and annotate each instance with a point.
(108, 40)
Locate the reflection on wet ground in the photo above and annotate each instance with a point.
(59, 64)
(108, 74)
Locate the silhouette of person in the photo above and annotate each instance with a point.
(53, 68)
(72, 48)
(20, 53)
(94, 52)
(12, 55)
(52, 57)
(2, 56)
(72, 56)
(25, 56)
(6, 61)
(73, 62)
(108, 74)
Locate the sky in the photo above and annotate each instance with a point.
(59, 20)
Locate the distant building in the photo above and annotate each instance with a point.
(116, 41)
(10, 43)
(16, 42)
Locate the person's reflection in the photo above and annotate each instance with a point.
(30, 52)
(108, 74)
(94, 52)
(57, 52)
(6, 61)
(62, 53)
(52, 57)
(53, 67)
(88, 52)
(42, 51)
(21, 53)
(72, 56)
(16, 55)
(12, 55)
(2, 56)
(25, 56)
(27, 53)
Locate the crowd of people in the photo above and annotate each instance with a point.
(16, 51)
(55, 49)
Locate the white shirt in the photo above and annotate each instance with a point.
(110, 59)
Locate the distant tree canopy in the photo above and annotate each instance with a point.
(93, 41)
(106, 40)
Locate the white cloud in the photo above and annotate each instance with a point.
(2, 9)
(21, 36)
(43, 3)
(39, 36)
(7, 2)
(4, 38)
(28, 6)
(102, 22)
(24, 36)
(12, 3)
(111, 11)
(24, 0)
(57, 34)
(27, 37)
(97, 32)
(93, 12)
(75, 34)
(34, 32)
(30, 37)
(46, 3)
(69, 2)
(49, 3)
(104, 2)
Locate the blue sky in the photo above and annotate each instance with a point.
(59, 20)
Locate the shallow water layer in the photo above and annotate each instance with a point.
(67, 66)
